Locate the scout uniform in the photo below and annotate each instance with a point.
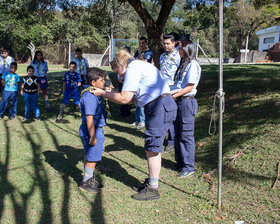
(82, 65)
(40, 71)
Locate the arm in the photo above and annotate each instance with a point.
(79, 83)
(91, 129)
(123, 97)
(183, 91)
(3, 82)
(38, 88)
(21, 89)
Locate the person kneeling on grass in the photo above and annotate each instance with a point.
(30, 90)
(91, 133)
(71, 83)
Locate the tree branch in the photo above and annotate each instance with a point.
(164, 13)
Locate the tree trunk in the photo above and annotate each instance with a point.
(154, 29)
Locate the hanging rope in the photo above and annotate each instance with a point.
(219, 94)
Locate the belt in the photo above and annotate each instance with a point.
(186, 97)
(158, 98)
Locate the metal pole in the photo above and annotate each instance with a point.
(69, 53)
(247, 39)
(197, 44)
(221, 98)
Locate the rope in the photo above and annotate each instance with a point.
(219, 94)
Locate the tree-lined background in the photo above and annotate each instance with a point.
(49, 24)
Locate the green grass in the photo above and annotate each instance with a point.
(41, 161)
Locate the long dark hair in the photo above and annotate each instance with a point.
(35, 57)
(189, 51)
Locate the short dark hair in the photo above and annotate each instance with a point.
(79, 50)
(4, 50)
(94, 73)
(169, 36)
(13, 64)
(175, 35)
(29, 67)
(127, 48)
(73, 63)
(143, 38)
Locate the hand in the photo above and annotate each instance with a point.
(92, 141)
(21, 92)
(108, 89)
(97, 92)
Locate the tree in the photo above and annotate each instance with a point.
(153, 27)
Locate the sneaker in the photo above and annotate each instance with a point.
(169, 148)
(38, 118)
(185, 173)
(140, 125)
(59, 118)
(134, 124)
(146, 194)
(141, 186)
(25, 119)
(91, 185)
(12, 117)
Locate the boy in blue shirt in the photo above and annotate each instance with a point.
(71, 83)
(91, 133)
(10, 81)
(5, 62)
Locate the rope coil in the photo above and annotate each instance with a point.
(219, 94)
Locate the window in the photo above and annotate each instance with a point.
(268, 40)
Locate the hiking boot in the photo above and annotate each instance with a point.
(185, 173)
(148, 193)
(91, 185)
(141, 186)
(140, 125)
(169, 148)
(59, 118)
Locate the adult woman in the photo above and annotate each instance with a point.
(40, 71)
(186, 81)
(144, 81)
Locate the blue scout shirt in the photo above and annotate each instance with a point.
(11, 81)
(91, 105)
(191, 75)
(145, 80)
(147, 55)
(82, 65)
(5, 64)
(169, 64)
(40, 68)
(71, 80)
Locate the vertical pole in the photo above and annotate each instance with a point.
(197, 44)
(247, 39)
(220, 91)
(69, 53)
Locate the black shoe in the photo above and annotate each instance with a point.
(91, 185)
(146, 194)
(185, 173)
(141, 186)
(169, 148)
(177, 167)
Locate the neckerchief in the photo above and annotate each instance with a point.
(105, 101)
(167, 56)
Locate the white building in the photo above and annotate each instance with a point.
(268, 37)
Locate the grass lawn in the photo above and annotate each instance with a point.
(41, 161)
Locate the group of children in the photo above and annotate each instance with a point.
(36, 81)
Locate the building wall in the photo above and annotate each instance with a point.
(262, 45)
